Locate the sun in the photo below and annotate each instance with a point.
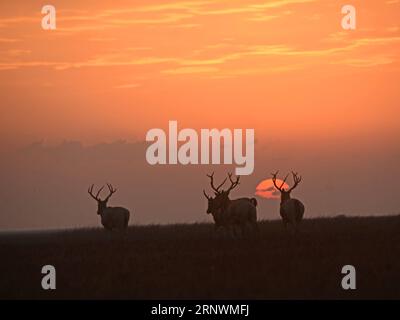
(265, 189)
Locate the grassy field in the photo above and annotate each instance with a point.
(190, 262)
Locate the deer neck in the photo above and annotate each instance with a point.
(226, 204)
(103, 209)
(285, 196)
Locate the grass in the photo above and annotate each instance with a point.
(190, 262)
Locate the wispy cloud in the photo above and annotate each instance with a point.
(17, 52)
(172, 6)
(393, 29)
(262, 17)
(181, 53)
(205, 62)
(9, 40)
(366, 62)
(280, 3)
(128, 86)
(190, 70)
(101, 39)
(72, 21)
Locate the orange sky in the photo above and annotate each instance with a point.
(323, 102)
(114, 69)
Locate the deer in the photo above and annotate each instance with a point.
(291, 210)
(112, 218)
(229, 213)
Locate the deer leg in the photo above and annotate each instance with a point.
(256, 227)
(232, 231)
(216, 231)
(249, 228)
(240, 231)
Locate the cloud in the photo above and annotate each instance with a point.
(9, 40)
(393, 29)
(18, 19)
(366, 62)
(17, 52)
(173, 6)
(128, 86)
(206, 58)
(266, 189)
(74, 21)
(263, 17)
(230, 73)
(100, 39)
(190, 70)
(186, 25)
(182, 53)
(206, 61)
(191, 65)
(18, 65)
(280, 3)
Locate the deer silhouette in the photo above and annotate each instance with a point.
(229, 213)
(291, 210)
(111, 217)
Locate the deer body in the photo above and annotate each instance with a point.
(238, 212)
(112, 218)
(241, 212)
(115, 218)
(291, 210)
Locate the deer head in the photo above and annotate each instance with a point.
(221, 196)
(101, 204)
(285, 194)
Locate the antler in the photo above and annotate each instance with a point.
(112, 191)
(274, 181)
(233, 183)
(296, 179)
(216, 189)
(90, 191)
(206, 195)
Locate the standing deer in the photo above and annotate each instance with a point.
(111, 217)
(228, 213)
(291, 210)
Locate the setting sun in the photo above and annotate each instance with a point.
(266, 189)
